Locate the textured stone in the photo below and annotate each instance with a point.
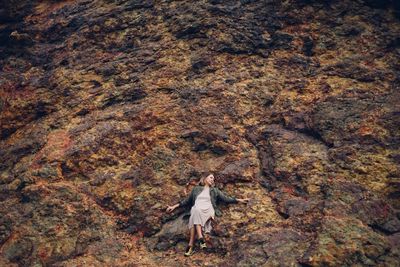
(111, 110)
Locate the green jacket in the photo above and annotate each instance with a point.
(215, 194)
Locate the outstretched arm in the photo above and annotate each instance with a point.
(182, 203)
(228, 199)
(225, 198)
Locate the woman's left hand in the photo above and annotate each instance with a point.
(243, 200)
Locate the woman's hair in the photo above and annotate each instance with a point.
(201, 182)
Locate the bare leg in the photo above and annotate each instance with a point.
(192, 232)
(198, 230)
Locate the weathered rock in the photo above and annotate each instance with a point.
(346, 241)
(378, 215)
(347, 69)
(171, 233)
(271, 247)
(111, 110)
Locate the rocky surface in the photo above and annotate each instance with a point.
(112, 109)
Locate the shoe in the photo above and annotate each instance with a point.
(203, 244)
(189, 251)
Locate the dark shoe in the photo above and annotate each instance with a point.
(189, 251)
(203, 244)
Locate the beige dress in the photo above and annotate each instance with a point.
(202, 211)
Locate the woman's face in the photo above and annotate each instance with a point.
(209, 180)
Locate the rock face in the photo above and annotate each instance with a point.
(112, 109)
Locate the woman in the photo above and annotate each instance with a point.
(203, 200)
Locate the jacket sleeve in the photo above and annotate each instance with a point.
(225, 198)
(187, 200)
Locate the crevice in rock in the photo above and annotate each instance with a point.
(314, 135)
(381, 230)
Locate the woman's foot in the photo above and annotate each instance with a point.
(189, 251)
(202, 242)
